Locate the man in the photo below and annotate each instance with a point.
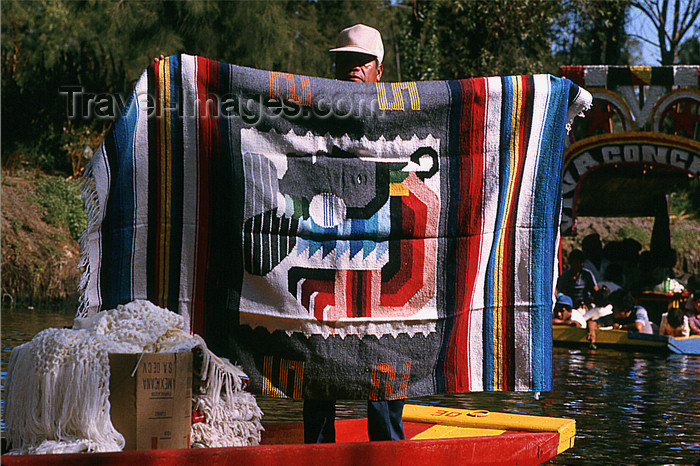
(577, 281)
(625, 316)
(674, 323)
(595, 261)
(692, 309)
(359, 52)
(564, 315)
(692, 304)
(358, 55)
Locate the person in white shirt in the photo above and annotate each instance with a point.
(674, 323)
(625, 316)
(563, 314)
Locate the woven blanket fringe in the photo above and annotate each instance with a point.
(92, 206)
(582, 103)
(232, 417)
(58, 384)
(59, 403)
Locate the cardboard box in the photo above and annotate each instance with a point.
(151, 399)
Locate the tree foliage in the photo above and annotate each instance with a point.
(689, 52)
(672, 21)
(458, 39)
(103, 46)
(593, 32)
(47, 44)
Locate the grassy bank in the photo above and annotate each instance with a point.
(42, 219)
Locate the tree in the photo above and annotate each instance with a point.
(464, 38)
(103, 46)
(46, 44)
(418, 44)
(592, 32)
(671, 24)
(689, 52)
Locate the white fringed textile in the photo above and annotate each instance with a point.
(58, 384)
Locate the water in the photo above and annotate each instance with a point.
(629, 408)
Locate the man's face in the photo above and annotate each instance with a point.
(621, 314)
(357, 67)
(576, 266)
(563, 312)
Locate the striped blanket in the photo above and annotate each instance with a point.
(338, 240)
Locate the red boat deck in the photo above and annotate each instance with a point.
(456, 437)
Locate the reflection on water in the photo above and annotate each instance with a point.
(629, 407)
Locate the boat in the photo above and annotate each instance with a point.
(625, 340)
(435, 435)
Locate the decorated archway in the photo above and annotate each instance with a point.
(639, 142)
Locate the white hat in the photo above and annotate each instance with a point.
(361, 39)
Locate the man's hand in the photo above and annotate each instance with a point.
(156, 60)
(592, 327)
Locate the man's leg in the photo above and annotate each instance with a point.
(319, 421)
(384, 420)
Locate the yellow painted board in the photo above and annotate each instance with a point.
(481, 419)
(438, 431)
(484, 419)
(566, 439)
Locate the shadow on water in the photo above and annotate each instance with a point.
(629, 408)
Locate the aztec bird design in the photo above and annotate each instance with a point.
(361, 186)
(343, 204)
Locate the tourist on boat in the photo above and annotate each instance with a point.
(692, 305)
(599, 305)
(577, 282)
(625, 316)
(674, 323)
(613, 278)
(563, 314)
(662, 276)
(693, 314)
(631, 263)
(595, 261)
(358, 58)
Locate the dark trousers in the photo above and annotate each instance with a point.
(383, 420)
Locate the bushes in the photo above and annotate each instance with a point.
(63, 203)
(686, 202)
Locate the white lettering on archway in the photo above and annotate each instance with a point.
(584, 162)
(611, 154)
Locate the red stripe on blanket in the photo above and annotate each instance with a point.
(324, 295)
(471, 166)
(207, 73)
